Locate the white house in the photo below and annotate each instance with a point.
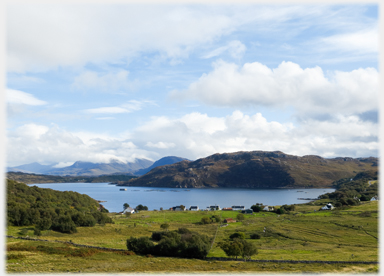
(268, 208)
(178, 208)
(238, 208)
(374, 198)
(129, 210)
(194, 208)
(327, 207)
(214, 207)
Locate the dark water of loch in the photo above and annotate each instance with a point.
(155, 198)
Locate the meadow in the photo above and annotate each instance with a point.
(348, 234)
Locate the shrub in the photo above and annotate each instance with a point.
(255, 236)
(37, 232)
(164, 226)
(142, 245)
(206, 220)
(240, 217)
(184, 231)
(216, 218)
(280, 211)
(237, 235)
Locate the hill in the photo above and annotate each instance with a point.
(255, 169)
(31, 178)
(81, 168)
(168, 160)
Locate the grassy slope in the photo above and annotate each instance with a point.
(302, 235)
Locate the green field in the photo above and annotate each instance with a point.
(305, 234)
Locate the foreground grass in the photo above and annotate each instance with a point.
(338, 235)
(42, 262)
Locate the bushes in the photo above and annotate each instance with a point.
(237, 235)
(255, 236)
(64, 224)
(181, 243)
(206, 220)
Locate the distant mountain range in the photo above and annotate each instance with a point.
(79, 168)
(255, 169)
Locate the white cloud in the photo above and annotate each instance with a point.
(63, 164)
(308, 90)
(364, 41)
(38, 143)
(44, 37)
(235, 48)
(160, 145)
(110, 110)
(20, 97)
(113, 82)
(194, 138)
(128, 107)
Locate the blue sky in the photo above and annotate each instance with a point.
(121, 81)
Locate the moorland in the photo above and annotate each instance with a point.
(348, 234)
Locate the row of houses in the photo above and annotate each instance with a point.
(217, 207)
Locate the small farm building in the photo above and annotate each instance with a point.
(248, 211)
(229, 220)
(329, 206)
(129, 210)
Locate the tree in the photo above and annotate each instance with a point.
(125, 205)
(216, 218)
(232, 249)
(237, 235)
(206, 220)
(256, 208)
(280, 211)
(240, 217)
(140, 207)
(249, 249)
(239, 247)
(164, 226)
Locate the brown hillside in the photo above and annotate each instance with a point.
(256, 169)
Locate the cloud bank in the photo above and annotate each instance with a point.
(195, 135)
(309, 91)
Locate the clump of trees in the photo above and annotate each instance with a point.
(141, 207)
(239, 247)
(212, 219)
(48, 209)
(285, 209)
(179, 243)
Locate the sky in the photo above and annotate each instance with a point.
(102, 82)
